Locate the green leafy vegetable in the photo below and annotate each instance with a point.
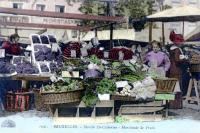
(90, 99)
(106, 86)
(94, 59)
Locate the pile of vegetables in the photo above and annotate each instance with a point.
(64, 85)
(95, 87)
(106, 86)
(95, 60)
(143, 89)
(90, 98)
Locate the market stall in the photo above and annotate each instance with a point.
(83, 76)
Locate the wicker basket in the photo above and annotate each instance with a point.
(62, 97)
(39, 101)
(165, 85)
(195, 68)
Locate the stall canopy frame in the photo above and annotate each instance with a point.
(111, 19)
(50, 14)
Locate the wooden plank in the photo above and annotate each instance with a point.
(60, 15)
(150, 104)
(105, 103)
(31, 77)
(138, 110)
(48, 26)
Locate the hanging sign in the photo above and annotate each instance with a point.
(2, 53)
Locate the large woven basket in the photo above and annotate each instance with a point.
(195, 68)
(39, 101)
(62, 97)
(165, 85)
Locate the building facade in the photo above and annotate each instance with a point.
(62, 6)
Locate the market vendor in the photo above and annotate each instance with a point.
(12, 46)
(157, 59)
(178, 66)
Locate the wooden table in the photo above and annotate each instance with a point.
(26, 78)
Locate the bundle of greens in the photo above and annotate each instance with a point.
(90, 99)
(94, 59)
(106, 86)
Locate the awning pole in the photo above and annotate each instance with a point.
(95, 32)
(111, 35)
(150, 31)
(163, 33)
(183, 28)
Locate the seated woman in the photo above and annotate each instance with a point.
(157, 59)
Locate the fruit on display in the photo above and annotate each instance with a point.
(44, 68)
(72, 46)
(53, 67)
(6, 68)
(26, 68)
(114, 53)
(96, 51)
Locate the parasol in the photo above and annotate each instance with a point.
(182, 13)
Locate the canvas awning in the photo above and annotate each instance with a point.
(183, 13)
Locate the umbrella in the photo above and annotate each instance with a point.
(183, 13)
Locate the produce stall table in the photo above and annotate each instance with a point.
(26, 78)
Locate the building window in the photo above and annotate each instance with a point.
(18, 5)
(40, 7)
(74, 33)
(60, 9)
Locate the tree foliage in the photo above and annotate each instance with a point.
(134, 9)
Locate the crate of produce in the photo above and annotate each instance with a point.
(165, 85)
(62, 97)
(18, 101)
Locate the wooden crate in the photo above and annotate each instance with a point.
(142, 108)
(55, 109)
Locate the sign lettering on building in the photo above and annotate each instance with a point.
(17, 19)
(56, 21)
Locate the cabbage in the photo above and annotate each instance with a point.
(92, 73)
